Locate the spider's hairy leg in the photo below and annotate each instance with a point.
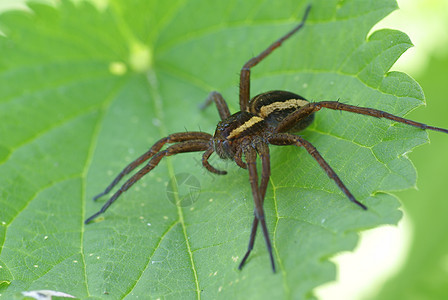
(185, 146)
(245, 70)
(172, 138)
(290, 120)
(220, 103)
(207, 165)
(238, 158)
(251, 157)
(284, 139)
(374, 113)
(263, 151)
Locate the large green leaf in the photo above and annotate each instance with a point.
(423, 275)
(84, 91)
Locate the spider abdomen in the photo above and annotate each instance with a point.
(274, 106)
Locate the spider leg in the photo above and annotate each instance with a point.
(238, 158)
(220, 103)
(245, 70)
(172, 138)
(263, 151)
(207, 165)
(185, 146)
(251, 157)
(283, 139)
(308, 109)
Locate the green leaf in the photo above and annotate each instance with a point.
(423, 273)
(84, 91)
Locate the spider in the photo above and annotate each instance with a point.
(268, 118)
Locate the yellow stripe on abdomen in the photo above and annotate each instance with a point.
(266, 110)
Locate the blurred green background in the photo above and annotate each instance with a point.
(424, 273)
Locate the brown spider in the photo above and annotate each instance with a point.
(268, 118)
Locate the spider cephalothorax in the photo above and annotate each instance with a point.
(267, 119)
(232, 131)
(266, 111)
